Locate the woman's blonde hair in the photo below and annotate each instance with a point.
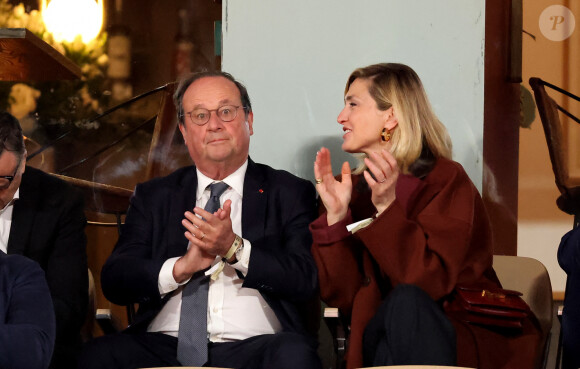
(398, 85)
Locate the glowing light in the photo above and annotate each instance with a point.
(67, 19)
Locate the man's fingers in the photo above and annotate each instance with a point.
(187, 223)
(227, 206)
(202, 213)
(191, 238)
(193, 230)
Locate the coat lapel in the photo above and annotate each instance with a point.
(255, 201)
(22, 218)
(183, 199)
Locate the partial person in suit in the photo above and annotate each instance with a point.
(27, 326)
(42, 218)
(569, 260)
(255, 247)
(399, 234)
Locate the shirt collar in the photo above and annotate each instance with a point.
(11, 202)
(234, 180)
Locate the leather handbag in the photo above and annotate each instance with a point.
(495, 307)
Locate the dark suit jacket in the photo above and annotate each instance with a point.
(277, 208)
(26, 315)
(48, 225)
(569, 260)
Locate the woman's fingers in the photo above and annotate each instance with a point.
(388, 156)
(383, 179)
(382, 165)
(324, 162)
(370, 180)
(345, 171)
(317, 173)
(379, 171)
(319, 166)
(323, 168)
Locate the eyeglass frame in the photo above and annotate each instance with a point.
(209, 114)
(11, 178)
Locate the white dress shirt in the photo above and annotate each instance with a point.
(6, 222)
(234, 313)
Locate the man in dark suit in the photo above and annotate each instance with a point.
(255, 245)
(42, 218)
(26, 315)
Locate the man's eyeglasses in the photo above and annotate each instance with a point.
(5, 181)
(226, 113)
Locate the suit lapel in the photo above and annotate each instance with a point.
(255, 201)
(183, 199)
(22, 218)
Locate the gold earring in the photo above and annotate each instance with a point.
(385, 135)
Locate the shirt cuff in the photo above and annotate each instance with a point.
(242, 264)
(166, 283)
(357, 226)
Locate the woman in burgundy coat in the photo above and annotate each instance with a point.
(399, 233)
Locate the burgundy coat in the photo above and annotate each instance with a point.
(435, 235)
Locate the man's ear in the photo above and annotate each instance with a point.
(391, 120)
(24, 156)
(250, 122)
(182, 130)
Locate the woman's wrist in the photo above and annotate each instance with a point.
(333, 218)
(381, 208)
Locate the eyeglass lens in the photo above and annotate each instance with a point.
(226, 113)
(6, 180)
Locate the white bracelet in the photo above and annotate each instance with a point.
(235, 245)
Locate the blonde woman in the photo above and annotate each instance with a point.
(402, 231)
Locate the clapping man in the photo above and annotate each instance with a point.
(217, 255)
